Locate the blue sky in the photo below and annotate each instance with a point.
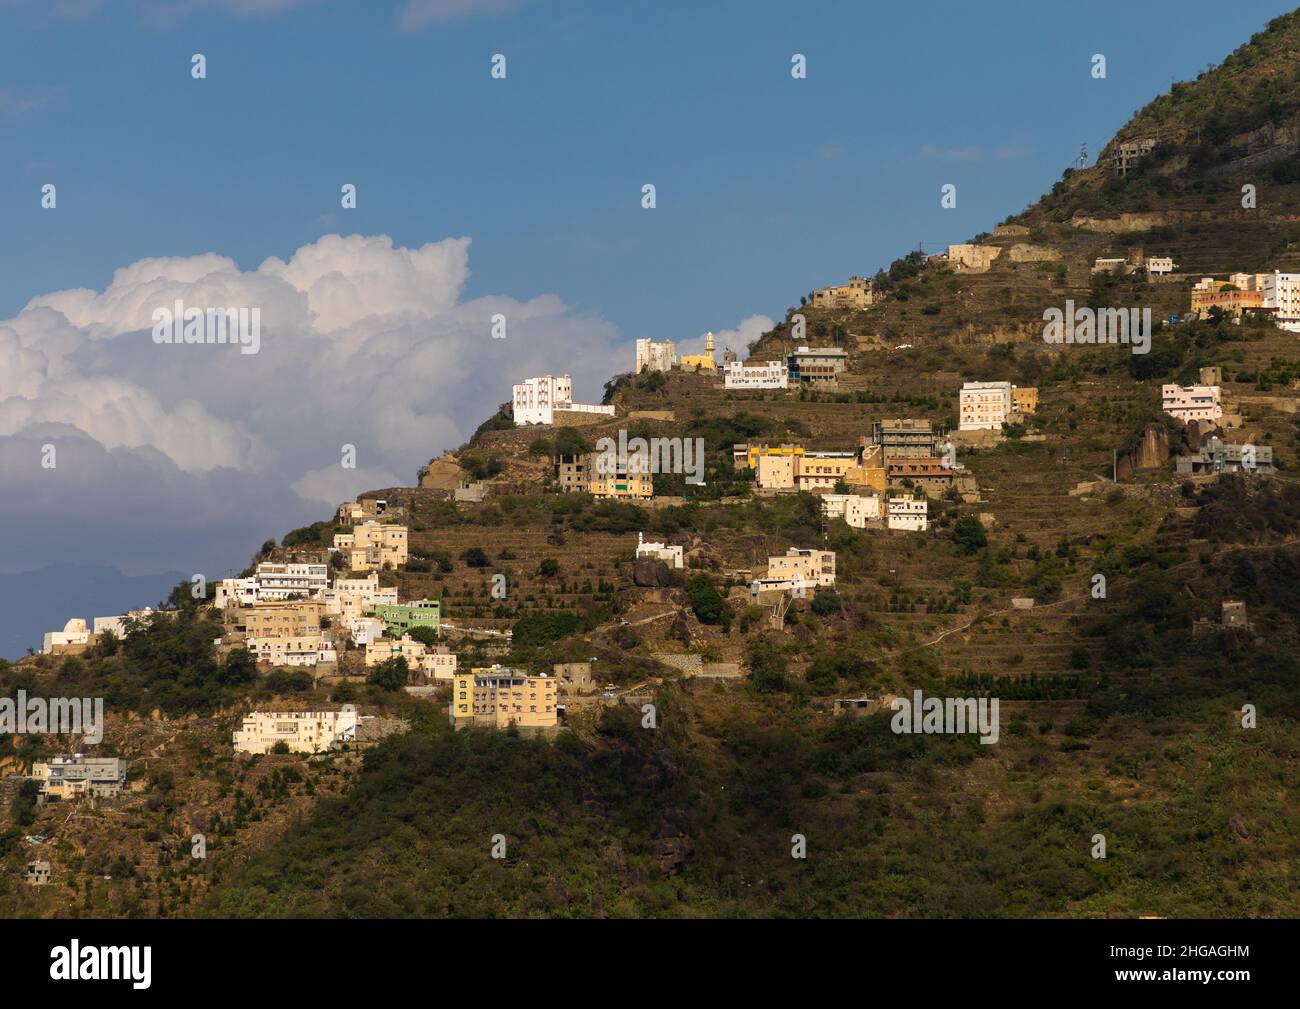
(767, 186)
(475, 196)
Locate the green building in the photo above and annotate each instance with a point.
(401, 617)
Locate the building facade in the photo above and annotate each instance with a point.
(817, 365)
(399, 618)
(911, 514)
(655, 355)
(498, 697)
(281, 581)
(756, 375)
(814, 567)
(292, 619)
(76, 775)
(308, 650)
(74, 636)
(857, 293)
(705, 362)
(857, 510)
(672, 556)
(374, 546)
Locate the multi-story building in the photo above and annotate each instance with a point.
(433, 663)
(857, 293)
(364, 630)
(350, 598)
(1219, 457)
(908, 513)
(74, 637)
(1127, 153)
(931, 475)
(817, 365)
(499, 697)
(300, 731)
(777, 472)
(756, 375)
(744, 455)
(308, 650)
(372, 546)
(399, 618)
(672, 556)
(1230, 297)
(905, 438)
(855, 509)
(537, 400)
(984, 406)
(574, 472)
(75, 775)
(282, 581)
(705, 362)
(1192, 402)
(1282, 295)
(1159, 266)
(817, 472)
(295, 619)
(655, 355)
(815, 567)
(352, 512)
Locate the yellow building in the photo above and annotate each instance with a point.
(748, 455)
(857, 293)
(372, 546)
(701, 362)
(622, 485)
(1024, 400)
(498, 697)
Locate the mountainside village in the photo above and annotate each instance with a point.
(650, 521)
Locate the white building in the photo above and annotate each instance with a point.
(655, 355)
(74, 633)
(308, 651)
(814, 567)
(301, 731)
(280, 581)
(984, 406)
(1282, 292)
(1192, 402)
(537, 399)
(364, 630)
(235, 592)
(1160, 266)
(118, 624)
(912, 514)
(658, 551)
(756, 375)
(855, 509)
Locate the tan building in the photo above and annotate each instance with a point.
(1024, 400)
(373, 546)
(776, 472)
(905, 438)
(574, 472)
(622, 485)
(815, 567)
(297, 619)
(499, 697)
(972, 258)
(431, 663)
(76, 775)
(931, 475)
(857, 293)
(705, 362)
(352, 598)
(1241, 293)
(300, 731)
(818, 472)
(308, 650)
(655, 355)
(1127, 153)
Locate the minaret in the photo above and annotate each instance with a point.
(708, 344)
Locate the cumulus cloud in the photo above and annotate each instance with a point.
(422, 13)
(737, 339)
(362, 343)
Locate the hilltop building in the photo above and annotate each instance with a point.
(701, 362)
(756, 375)
(971, 258)
(120, 625)
(499, 697)
(373, 546)
(537, 400)
(37, 873)
(857, 293)
(1192, 402)
(300, 731)
(655, 355)
(1127, 153)
(74, 637)
(672, 556)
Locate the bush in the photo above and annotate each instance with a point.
(391, 674)
(475, 557)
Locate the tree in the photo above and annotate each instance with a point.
(968, 533)
(475, 557)
(706, 602)
(391, 674)
(548, 567)
(427, 636)
(240, 667)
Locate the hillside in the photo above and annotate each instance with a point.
(1120, 714)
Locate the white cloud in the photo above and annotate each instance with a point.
(362, 344)
(422, 13)
(737, 339)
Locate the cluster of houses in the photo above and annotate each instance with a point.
(1273, 294)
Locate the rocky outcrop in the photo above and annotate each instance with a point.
(648, 573)
(1150, 452)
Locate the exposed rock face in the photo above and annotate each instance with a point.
(648, 573)
(1150, 452)
(444, 474)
